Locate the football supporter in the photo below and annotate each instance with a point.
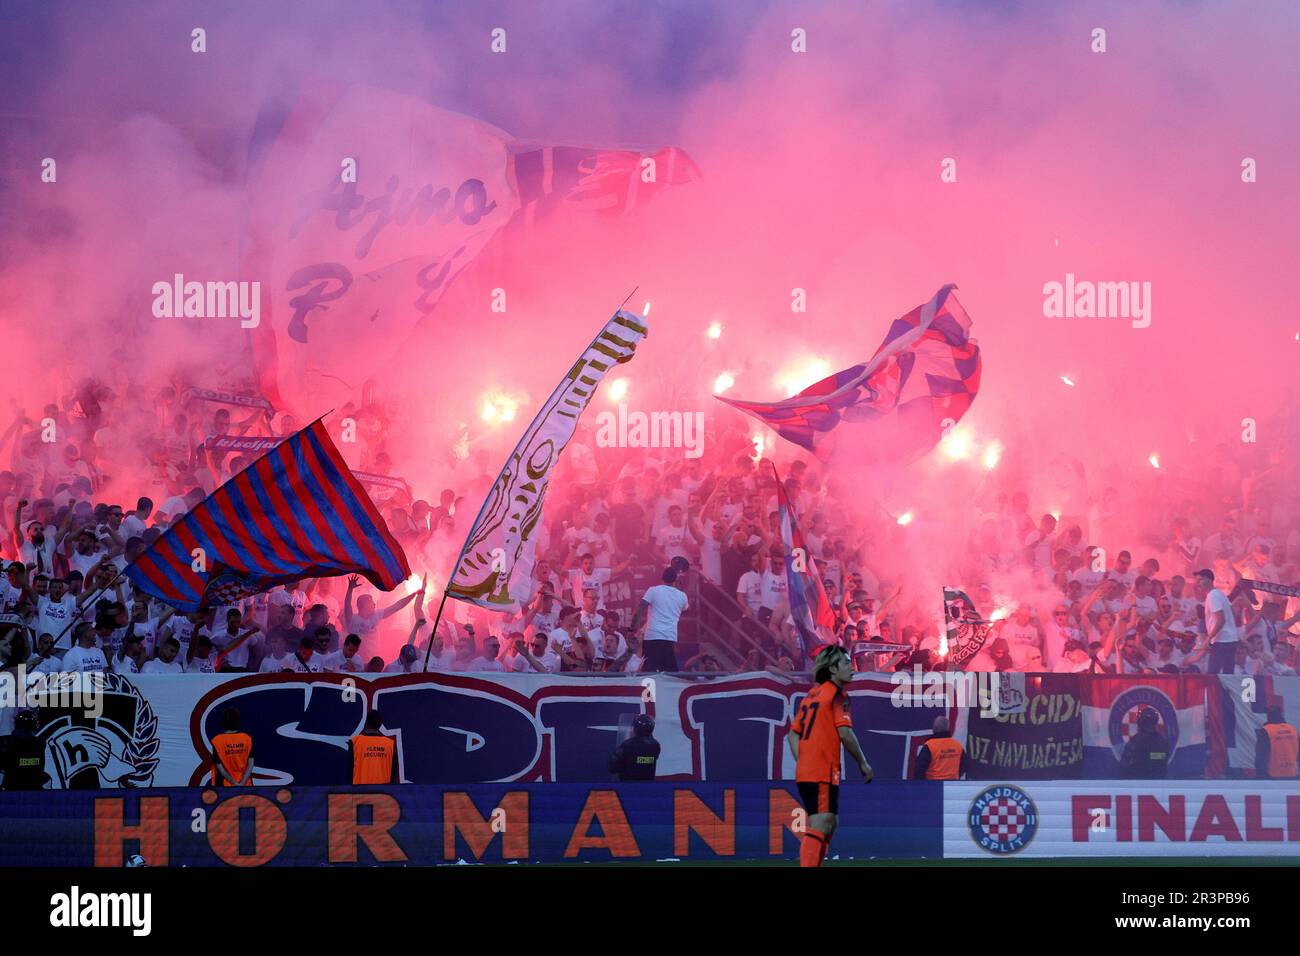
(664, 604)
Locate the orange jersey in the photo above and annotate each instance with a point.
(233, 751)
(819, 719)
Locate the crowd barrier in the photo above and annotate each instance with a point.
(154, 730)
(638, 823)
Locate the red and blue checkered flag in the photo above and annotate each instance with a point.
(810, 608)
(925, 373)
(297, 512)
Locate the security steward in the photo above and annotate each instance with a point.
(941, 757)
(1276, 746)
(374, 756)
(637, 757)
(232, 753)
(22, 756)
(1146, 755)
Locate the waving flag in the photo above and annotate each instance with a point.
(297, 512)
(364, 253)
(925, 373)
(965, 629)
(495, 567)
(810, 608)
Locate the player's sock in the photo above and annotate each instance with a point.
(812, 848)
(821, 852)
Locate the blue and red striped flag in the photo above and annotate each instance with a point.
(922, 379)
(810, 608)
(297, 512)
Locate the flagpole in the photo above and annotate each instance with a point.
(482, 508)
(429, 647)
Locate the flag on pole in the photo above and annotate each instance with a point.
(297, 512)
(810, 608)
(925, 374)
(965, 630)
(495, 567)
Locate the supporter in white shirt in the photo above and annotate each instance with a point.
(134, 522)
(543, 614)
(347, 659)
(1024, 638)
(487, 661)
(1038, 543)
(1220, 647)
(673, 539)
(55, 611)
(749, 589)
(305, 660)
(200, 658)
(85, 656)
(535, 656)
(37, 551)
(167, 661)
(1058, 632)
(277, 655)
(86, 554)
(663, 604)
(234, 641)
(408, 662)
(775, 585)
(598, 541)
(588, 577)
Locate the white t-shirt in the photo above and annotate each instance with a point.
(273, 665)
(673, 541)
(1216, 600)
(313, 665)
(239, 656)
(481, 663)
(550, 662)
(666, 606)
(85, 659)
(750, 590)
(1040, 546)
(711, 559)
(1022, 641)
(200, 665)
(157, 666)
(84, 562)
(775, 587)
(52, 617)
(337, 662)
(580, 581)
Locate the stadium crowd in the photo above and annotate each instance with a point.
(1093, 590)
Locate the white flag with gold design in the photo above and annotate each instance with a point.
(495, 567)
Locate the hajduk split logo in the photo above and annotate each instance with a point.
(1126, 707)
(1003, 819)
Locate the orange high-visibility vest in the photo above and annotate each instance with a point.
(233, 751)
(372, 758)
(1283, 748)
(945, 759)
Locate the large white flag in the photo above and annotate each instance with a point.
(495, 568)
